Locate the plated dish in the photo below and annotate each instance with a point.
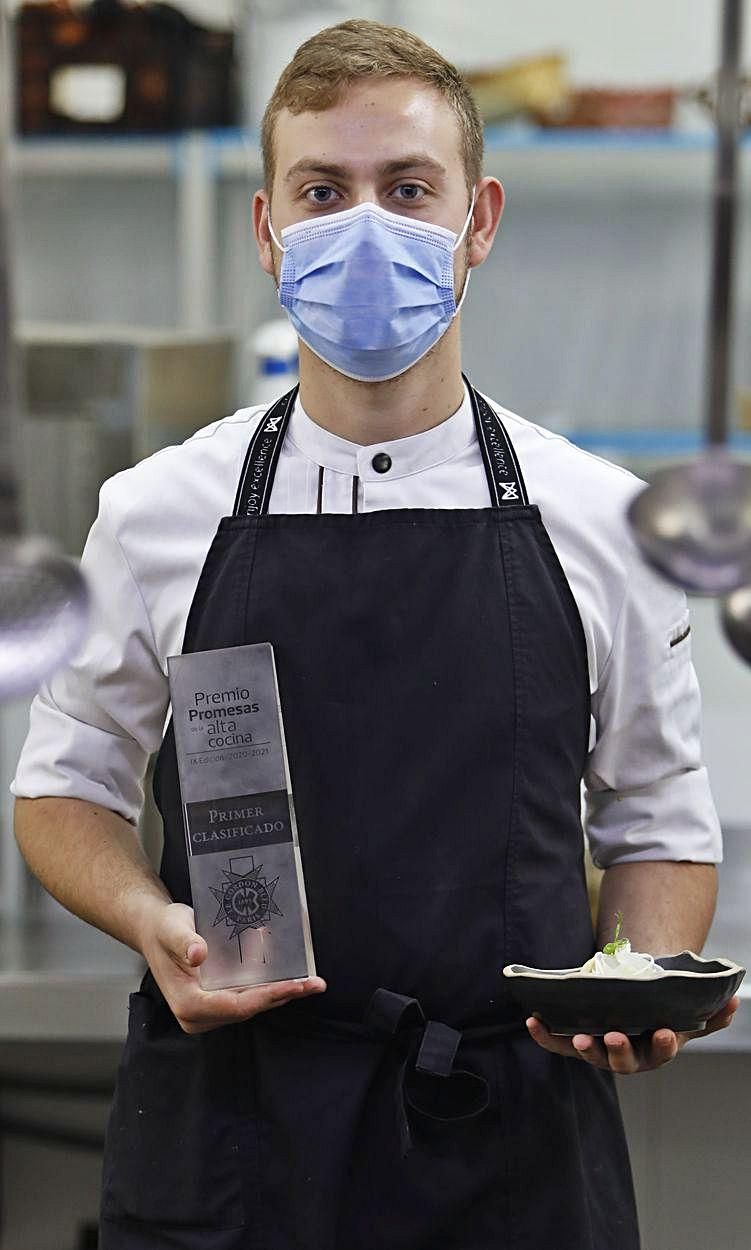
(682, 995)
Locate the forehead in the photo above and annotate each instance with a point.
(374, 122)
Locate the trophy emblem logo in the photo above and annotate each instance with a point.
(246, 900)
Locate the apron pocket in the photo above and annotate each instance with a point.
(181, 1145)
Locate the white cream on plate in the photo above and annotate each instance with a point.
(625, 963)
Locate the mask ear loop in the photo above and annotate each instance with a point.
(282, 249)
(456, 245)
(272, 232)
(467, 220)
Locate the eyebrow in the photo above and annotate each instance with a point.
(415, 160)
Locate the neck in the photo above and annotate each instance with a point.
(373, 412)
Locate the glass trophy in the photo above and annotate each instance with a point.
(243, 851)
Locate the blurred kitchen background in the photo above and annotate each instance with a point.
(138, 306)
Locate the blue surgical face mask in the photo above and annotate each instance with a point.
(369, 291)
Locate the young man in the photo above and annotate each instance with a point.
(449, 672)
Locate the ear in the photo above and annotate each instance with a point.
(264, 242)
(486, 218)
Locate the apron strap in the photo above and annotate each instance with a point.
(261, 458)
(502, 469)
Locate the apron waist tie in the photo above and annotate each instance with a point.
(427, 1081)
(427, 1085)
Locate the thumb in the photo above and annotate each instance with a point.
(196, 951)
(186, 947)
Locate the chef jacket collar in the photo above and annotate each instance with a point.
(409, 455)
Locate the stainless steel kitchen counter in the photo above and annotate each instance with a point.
(61, 980)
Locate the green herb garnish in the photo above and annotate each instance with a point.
(618, 943)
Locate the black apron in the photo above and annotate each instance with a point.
(433, 677)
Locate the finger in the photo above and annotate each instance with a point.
(196, 951)
(720, 1020)
(662, 1047)
(264, 997)
(187, 950)
(178, 938)
(555, 1044)
(621, 1055)
(540, 1034)
(591, 1049)
(201, 1008)
(641, 1054)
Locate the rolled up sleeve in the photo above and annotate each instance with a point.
(93, 727)
(647, 794)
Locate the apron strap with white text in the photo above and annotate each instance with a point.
(505, 480)
(503, 471)
(257, 477)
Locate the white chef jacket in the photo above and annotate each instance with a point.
(94, 726)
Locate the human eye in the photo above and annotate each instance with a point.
(409, 193)
(321, 195)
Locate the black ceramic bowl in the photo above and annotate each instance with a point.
(568, 1002)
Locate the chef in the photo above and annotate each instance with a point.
(464, 632)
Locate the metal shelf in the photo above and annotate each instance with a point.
(236, 151)
(73, 157)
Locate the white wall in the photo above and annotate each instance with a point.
(615, 41)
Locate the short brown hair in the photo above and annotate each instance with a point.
(339, 55)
